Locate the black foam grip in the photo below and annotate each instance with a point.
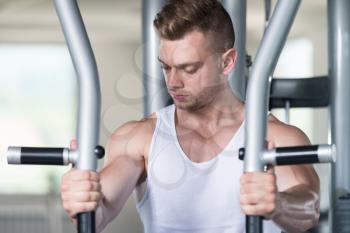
(286, 150)
(253, 224)
(297, 159)
(297, 155)
(42, 156)
(86, 222)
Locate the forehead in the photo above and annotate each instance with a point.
(193, 46)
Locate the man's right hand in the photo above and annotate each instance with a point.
(80, 190)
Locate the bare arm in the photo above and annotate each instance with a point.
(298, 187)
(122, 170)
(290, 195)
(107, 191)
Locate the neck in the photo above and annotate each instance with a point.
(224, 109)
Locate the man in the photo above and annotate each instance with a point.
(182, 160)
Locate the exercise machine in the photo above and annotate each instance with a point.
(88, 151)
(256, 156)
(263, 92)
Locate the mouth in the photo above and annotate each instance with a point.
(179, 97)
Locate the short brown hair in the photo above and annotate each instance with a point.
(179, 17)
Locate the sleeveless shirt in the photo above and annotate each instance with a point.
(183, 196)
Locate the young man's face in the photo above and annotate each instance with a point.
(192, 71)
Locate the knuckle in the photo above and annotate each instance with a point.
(89, 186)
(97, 175)
(98, 187)
(86, 196)
(87, 207)
(85, 175)
(94, 205)
(99, 196)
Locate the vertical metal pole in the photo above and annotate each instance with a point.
(339, 73)
(89, 93)
(155, 92)
(257, 93)
(287, 112)
(238, 11)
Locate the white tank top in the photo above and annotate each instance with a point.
(183, 196)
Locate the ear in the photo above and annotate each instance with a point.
(229, 59)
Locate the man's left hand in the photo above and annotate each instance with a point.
(259, 195)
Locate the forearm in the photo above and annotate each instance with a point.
(297, 209)
(118, 181)
(104, 216)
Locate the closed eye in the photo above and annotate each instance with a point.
(191, 70)
(166, 68)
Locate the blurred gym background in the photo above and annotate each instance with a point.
(38, 95)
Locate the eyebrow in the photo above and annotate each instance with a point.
(182, 65)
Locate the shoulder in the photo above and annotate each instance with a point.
(132, 138)
(133, 129)
(285, 135)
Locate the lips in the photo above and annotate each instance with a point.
(179, 97)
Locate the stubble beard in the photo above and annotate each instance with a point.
(203, 99)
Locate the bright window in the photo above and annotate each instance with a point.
(296, 61)
(38, 99)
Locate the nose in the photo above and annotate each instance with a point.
(174, 80)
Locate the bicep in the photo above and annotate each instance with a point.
(119, 178)
(292, 175)
(289, 176)
(123, 166)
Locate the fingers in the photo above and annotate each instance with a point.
(80, 191)
(270, 145)
(73, 144)
(80, 175)
(83, 186)
(74, 208)
(259, 209)
(81, 196)
(258, 193)
(258, 177)
(255, 189)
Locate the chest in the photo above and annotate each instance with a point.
(202, 146)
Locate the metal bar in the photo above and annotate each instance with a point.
(339, 73)
(339, 51)
(155, 92)
(89, 87)
(38, 155)
(257, 95)
(89, 91)
(238, 11)
(300, 155)
(287, 112)
(258, 88)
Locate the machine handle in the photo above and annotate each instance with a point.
(296, 155)
(37, 156)
(253, 224)
(46, 155)
(86, 222)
